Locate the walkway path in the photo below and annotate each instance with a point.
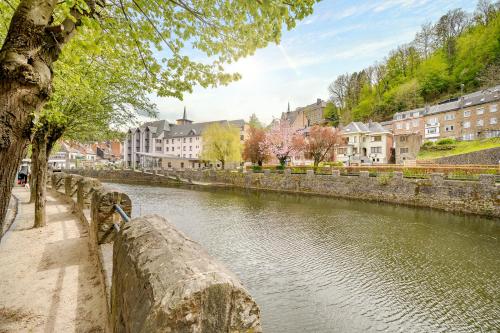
(47, 280)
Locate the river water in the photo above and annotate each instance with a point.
(318, 264)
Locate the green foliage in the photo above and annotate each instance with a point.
(427, 144)
(384, 178)
(221, 143)
(256, 168)
(254, 122)
(446, 141)
(444, 56)
(332, 114)
(460, 147)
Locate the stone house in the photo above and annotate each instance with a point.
(160, 143)
(406, 147)
(367, 143)
(306, 116)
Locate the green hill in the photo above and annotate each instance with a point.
(459, 53)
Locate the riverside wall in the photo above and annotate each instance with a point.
(155, 278)
(480, 197)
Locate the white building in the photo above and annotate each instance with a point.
(160, 143)
(365, 144)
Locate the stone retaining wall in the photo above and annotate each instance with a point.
(155, 278)
(475, 197)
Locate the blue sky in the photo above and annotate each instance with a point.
(341, 36)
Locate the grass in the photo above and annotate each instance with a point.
(462, 147)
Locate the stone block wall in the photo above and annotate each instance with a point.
(475, 197)
(155, 278)
(164, 282)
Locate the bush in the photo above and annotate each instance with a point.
(256, 168)
(280, 167)
(426, 145)
(446, 141)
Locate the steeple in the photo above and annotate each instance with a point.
(183, 120)
(288, 107)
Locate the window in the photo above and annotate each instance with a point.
(466, 114)
(403, 150)
(184, 140)
(493, 121)
(355, 139)
(158, 148)
(403, 139)
(432, 130)
(182, 165)
(169, 164)
(479, 122)
(167, 148)
(415, 123)
(493, 108)
(376, 150)
(448, 128)
(189, 155)
(466, 124)
(242, 138)
(432, 121)
(190, 140)
(378, 138)
(179, 140)
(184, 148)
(342, 151)
(190, 148)
(158, 140)
(354, 150)
(449, 116)
(399, 126)
(480, 111)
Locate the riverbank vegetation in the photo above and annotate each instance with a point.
(459, 53)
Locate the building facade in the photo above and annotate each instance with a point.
(162, 144)
(472, 116)
(306, 116)
(369, 143)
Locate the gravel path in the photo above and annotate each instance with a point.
(48, 282)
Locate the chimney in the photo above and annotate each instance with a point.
(318, 101)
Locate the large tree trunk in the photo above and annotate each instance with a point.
(35, 151)
(26, 57)
(43, 141)
(40, 140)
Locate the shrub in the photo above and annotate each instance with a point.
(446, 141)
(427, 145)
(280, 167)
(256, 168)
(384, 179)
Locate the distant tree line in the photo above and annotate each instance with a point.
(458, 53)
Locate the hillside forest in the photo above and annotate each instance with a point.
(459, 53)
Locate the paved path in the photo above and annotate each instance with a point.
(47, 280)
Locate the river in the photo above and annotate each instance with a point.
(317, 264)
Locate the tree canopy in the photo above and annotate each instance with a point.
(221, 143)
(459, 53)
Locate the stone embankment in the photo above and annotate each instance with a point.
(155, 278)
(479, 197)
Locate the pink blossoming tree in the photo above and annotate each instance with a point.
(283, 141)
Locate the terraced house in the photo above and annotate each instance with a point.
(163, 144)
(472, 116)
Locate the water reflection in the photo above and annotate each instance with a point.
(318, 264)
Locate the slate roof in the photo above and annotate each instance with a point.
(173, 131)
(359, 127)
(476, 98)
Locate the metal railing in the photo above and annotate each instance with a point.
(123, 215)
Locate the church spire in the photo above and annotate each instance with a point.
(184, 116)
(288, 106)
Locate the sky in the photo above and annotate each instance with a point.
(340, 36)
